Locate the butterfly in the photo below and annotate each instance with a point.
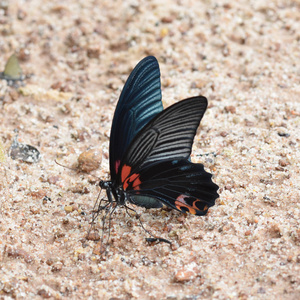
(150, 148)
(12, 71)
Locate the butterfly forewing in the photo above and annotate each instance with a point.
(168, 136)
(150, 148)
(139, 102)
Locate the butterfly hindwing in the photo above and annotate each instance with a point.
(139, 102)
(179, 184)
(156, 169)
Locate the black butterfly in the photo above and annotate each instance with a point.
(150, 148)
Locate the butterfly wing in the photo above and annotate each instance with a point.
(12, 70)
(155, 168)
(179, 184)
(168, 136)
(139, 102)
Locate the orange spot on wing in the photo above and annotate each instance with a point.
(136, 183)
(132, 179)
(125, 184)
(194, 205)
(180, 202)
(125, 172)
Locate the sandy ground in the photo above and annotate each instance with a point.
(244, 56)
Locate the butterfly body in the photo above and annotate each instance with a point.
(150, 148)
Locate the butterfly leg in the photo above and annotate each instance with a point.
(97, 207)
(149, 240)
(109, 209)
(95, 214)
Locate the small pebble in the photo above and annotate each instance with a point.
(93, 52)
(79, 188)
(81, 256)
(19, 253)
(46, 199)
(249, 123)
(230, 109)
(93, 236)
(90, 160)
(275, 231)
(21, 14)
(247, 232)
(44, 294)
(24, 54)
(14, 95)
(57, 267)
(283, 134)
(24, 152)
(283, 162)
(184, 275)
(39, 194)
(49, 261)
(53, 179)
(68, 208)
(167, 20)
(164, 32)
(34, 210)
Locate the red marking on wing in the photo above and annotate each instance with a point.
(134, 180)
(117, 165)
(125, 184)
(125, 172)
(194, 205)
(180, 202)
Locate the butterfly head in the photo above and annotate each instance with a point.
(105, 184)
(115, 194)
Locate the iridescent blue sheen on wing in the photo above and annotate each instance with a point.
(140, 102)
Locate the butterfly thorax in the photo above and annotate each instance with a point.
(114, 193)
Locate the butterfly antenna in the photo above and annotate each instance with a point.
(149, 240)
(74, 169)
